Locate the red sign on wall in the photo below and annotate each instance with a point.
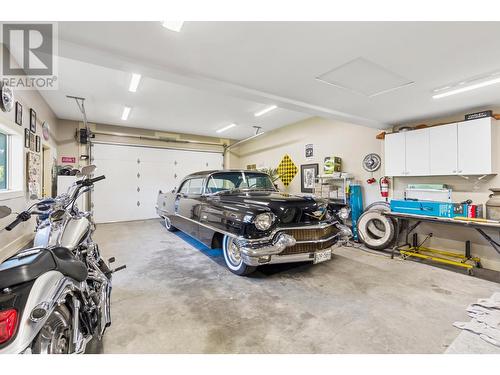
(68, 159)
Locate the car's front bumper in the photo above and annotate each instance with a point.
(278, 250)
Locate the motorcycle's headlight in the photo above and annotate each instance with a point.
(344, 213)
(264, 221)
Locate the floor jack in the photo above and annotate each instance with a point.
(446, 257)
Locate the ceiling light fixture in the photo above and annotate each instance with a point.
(225, 128)
(265, 110)
(173, 25)
(465, 86)
(134, 82)
(126, 112)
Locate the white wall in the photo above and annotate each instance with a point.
(348, 141)
(22, 234)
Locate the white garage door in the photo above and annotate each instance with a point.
(134, 175)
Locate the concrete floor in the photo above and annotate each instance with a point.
(177, 297)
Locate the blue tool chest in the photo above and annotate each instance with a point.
(429, 208)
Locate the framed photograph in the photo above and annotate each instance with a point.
(32, 142)
(32, 120)
(308, 174)
(37, 144)
(19, 114)
(26, 138)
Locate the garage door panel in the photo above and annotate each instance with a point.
(136, 174)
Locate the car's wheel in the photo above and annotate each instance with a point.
(56, 335)
(168, 224)
(232, 256)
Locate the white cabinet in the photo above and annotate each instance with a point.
(464, 148)
(475, 151)
(417, 153)
(395, 146)
(407, 153)
(443, 149)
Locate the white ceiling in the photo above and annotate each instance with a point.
(214, 73)
(157, 104)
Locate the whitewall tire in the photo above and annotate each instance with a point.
(233, 259)
(168, 224)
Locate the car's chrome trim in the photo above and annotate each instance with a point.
(276, 259)
(321, 225)
(322, 240)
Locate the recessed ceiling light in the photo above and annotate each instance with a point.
(225, 128)
(134, 82)
(126, 112)
(265, 110)
(464, 87)
(173, 25)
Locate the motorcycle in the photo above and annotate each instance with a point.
(55, 296)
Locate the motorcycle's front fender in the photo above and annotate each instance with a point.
(48, 290)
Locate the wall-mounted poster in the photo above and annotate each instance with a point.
(19, 114)
(37, 144)
(32, 142)
(26, 138)
(32, 120)
(309, 151)
(34, 170)
(308, 174)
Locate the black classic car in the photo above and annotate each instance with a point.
(255, 224)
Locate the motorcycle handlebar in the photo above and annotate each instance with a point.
(99, 178)
(23, 216)
(90, 181)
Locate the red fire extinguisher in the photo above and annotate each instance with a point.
(384, 187)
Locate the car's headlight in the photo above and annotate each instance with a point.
(264, 221)
(344, 213)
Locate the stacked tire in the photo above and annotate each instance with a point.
(376, 230)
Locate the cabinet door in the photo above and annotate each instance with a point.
(474, 147)
(443, 149)
(417, 153)
(394, 154)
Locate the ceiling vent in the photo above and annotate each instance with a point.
(364, 77)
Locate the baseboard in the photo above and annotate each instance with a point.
(17, 244)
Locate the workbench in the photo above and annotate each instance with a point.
(413, 249)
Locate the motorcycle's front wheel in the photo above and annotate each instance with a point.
(56, 335)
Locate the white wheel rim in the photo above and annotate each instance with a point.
(168, 223)
(232, 254)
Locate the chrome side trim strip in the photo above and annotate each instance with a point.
(322, 225)
(232, 235)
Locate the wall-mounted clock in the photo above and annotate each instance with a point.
(7, 98)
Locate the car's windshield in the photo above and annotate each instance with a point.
(228, 181)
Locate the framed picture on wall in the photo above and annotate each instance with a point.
(19, 114)
(32, 120)
(37, 144)
(26, 138)
(32, 142)
(308, 174)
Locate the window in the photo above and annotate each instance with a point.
(238, 180)
(3, 161)
(184, 188)
(195, 186)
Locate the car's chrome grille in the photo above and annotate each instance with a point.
(316, 235)
(311, 234)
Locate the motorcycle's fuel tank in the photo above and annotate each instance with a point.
(74, 232)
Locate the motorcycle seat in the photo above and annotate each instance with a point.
(29, 264)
